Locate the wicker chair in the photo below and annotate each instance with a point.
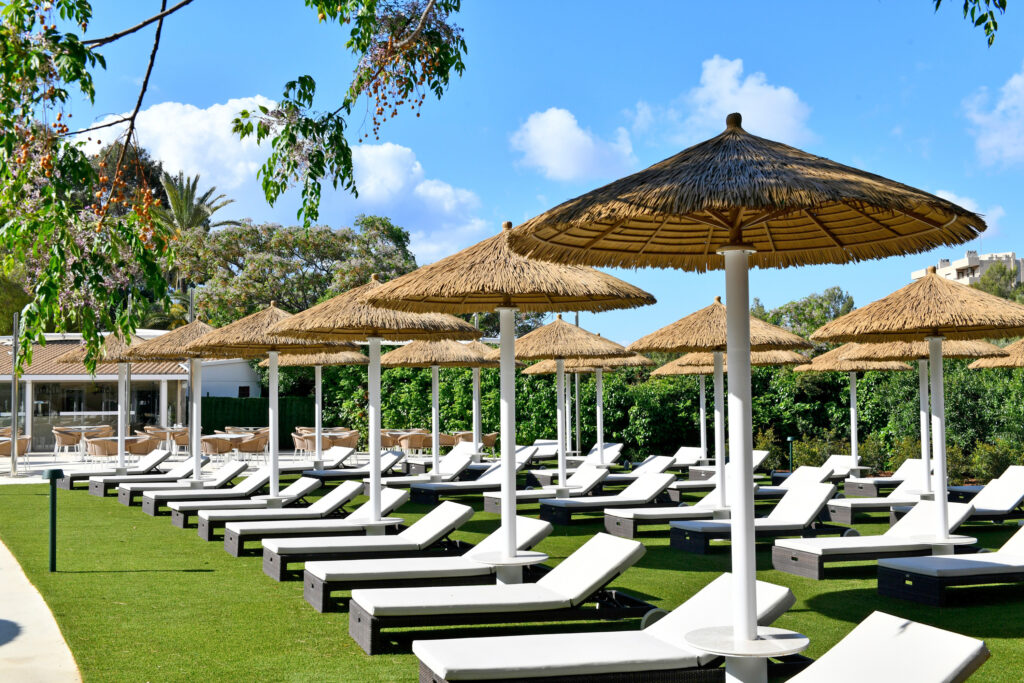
(142, 446)
(65, 440)
(299, 443)
(216, 448)
(447, 440)
(24, 443)
(180, 441)
(305, 430)
(417, 442)
(489, 440)
(388, 439)
(100, 448)
(347, 440)
(256, 446)
(5, 431)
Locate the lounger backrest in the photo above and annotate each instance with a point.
(840, 464)
(586, 477)
(612, 453)
(647, 487)
(227, 472)
(466, 448)
(454, 465)
(920, 521)
(494, 473)
(688, 455)
(336, 497)
(1002, 495)
(546, 448)
(712, 606)
(912, 468)
(1013, 472)
(388, 459)
(908, 486)
(801, 504)
(899, 650)
(253, 483)
(336, 455)
(758, 458)
(300, 487)
(436, 524)
(1015, 544)
(390, 500)
(806, 474)
(152, 460)
(182, 470)
(654, 465)
(595, 564)
(529, 532)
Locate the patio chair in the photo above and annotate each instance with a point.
(346, 439)
(888, 648)
(254, 448)
(216, 448)
(5, 431)
(299, 444)
(181, 442)
(23, 444)
(795, 515)
(100, 448)
(807, 556)
(427, 534)
(925, 579)
(415, 442)
(128, 493)
(142, 446)
(655, 653)
(912, 469)
(574, 590)
(100, 484)
(183, 510)
(489, 440)
(209, 519)
(236, 534)
(643, 491)
(429, 493)
(144, 466)
(65, 441)
(582, 482)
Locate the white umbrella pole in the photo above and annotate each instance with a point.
(507, 328)
(373, 382)
(579, 440)
(272, 420)
(195, 399)
(318, 411)
(599, 388)
(720, 429)
(853, 419)
(435, 420)
(738, 349)
(122, 411)
(922, 379)
(560, 416)
(478, 431)
(163, 403)
(566, 398)
(938, 434)
(703, 420)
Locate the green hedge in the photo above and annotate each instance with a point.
(219, 412)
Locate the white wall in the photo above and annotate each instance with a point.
(224, 377)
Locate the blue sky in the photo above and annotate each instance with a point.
(561, 97)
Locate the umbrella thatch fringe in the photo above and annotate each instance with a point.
(674, 368)
(757, 358)
(1014, 358)
(443, 353)
(835, 361)
(250, 337)
(548, 367)
(113, 350)
(951, 348)
(170, 346)
(559, 339)
(308, 360)
(634, 360)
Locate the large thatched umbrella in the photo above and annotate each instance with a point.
(171, 347)
(349, 316)
(317, 361)
(706, 331)
(250, 337)
(910, 351)
(444, 353)
(932, 309)
(113, 350)
(734, 201)
(489, 276)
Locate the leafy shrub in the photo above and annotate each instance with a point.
(765, 440)
(874, 454)
(959, 467)
(990, 460)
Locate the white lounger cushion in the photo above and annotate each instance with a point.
(667, 513)
(796, 510)
(586, 478)
(222, 476)
(338, 496)
(758, 458)
(840, 464)
(654, 465)
(388, 459)
(907, 493)
(183, 470)
(912, 468)
(686, 456)
(297, 489)
(491, 479)
(805, 474)
(643, 490)
(894, 649)
(247, 487)
(390, 500)
(1007, 560)
(449, 467)
(658, 647)
(999, 496)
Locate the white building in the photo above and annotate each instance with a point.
(972, 266)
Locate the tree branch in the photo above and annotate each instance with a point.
(99, 42)
(115, 122)
(404, 42)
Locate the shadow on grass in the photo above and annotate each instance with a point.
(8, 631)
(134, 571)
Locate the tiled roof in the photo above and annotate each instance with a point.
(44, 357)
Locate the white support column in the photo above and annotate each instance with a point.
(373, 438)
(568, 413)
(179, 404)
(938, 435)
(720, 429)
(507, 330)
(854, 453)
(318, 411)
(122, 410)
(272, 421)
(744, 566)
(560, 416)
(478, 430)
(29, 404)
(703, 420)
(599, 389)
(163, 403)
(579, 426)
(435, 419)
(926, 457)
(195, 399)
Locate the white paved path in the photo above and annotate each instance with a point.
(32, 648)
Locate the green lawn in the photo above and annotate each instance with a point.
(140, 600)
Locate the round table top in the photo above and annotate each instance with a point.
(78, 428)
(952, 539)
(228, 436)
(114, 438)
(499, 559)
(384, 521)
(771, 642)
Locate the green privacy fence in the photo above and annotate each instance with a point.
(219, 412)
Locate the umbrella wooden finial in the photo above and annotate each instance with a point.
(718, 299)
(559, 316)
(930, 270)
(734, 120)
(374, 277)
(507, 225)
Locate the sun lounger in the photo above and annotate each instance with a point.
(656, 653)
(925, 579)
(808, 556)
(888, 648)
(127, 494)
(146, 465)
(428, 533)
(252, 484)
(560, 595)
(99, 485)
(845, 510)
(686, 457)
(324, 576)
(911, 470)
(237, 533)
(795, 515)
(429, 493)
(450, 468)
(626, 522)
(546, 477)
(702, 472)
(843, 467)
(656, 464)
(802, 475)
(581, 483)
(182, 510)
(388, 460)
(421, 464)
(998, 501)
(681, 487)
(643, 491)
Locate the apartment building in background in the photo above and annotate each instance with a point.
(973, 265)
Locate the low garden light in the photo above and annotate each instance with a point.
(52, 476)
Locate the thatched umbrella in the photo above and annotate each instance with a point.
(705, 331)
(349, 316)
(910, 351)
(113, 350)
(1014, 358)
(738, 200)
(250, 337)
(317, 361)
(444, 353)
(598, 366)
(489, 276)
(932, 309)
(171, 347)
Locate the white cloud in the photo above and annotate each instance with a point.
(187, 138)
(642, 116)
(383, 172)
(999, 131)
(443, 197)
(991, 215)
(553, 142)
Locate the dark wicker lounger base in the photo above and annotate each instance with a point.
(812, 566)
(366, 630)
(842, 514)
(700, 542)
(931, 590)
(630, 528)
(557, 514)
(422, 496)
(700, 475)
(280, 567)
(317, 592)
(864, 489)
(100, 488)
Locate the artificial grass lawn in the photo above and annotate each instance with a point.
(141, 600)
